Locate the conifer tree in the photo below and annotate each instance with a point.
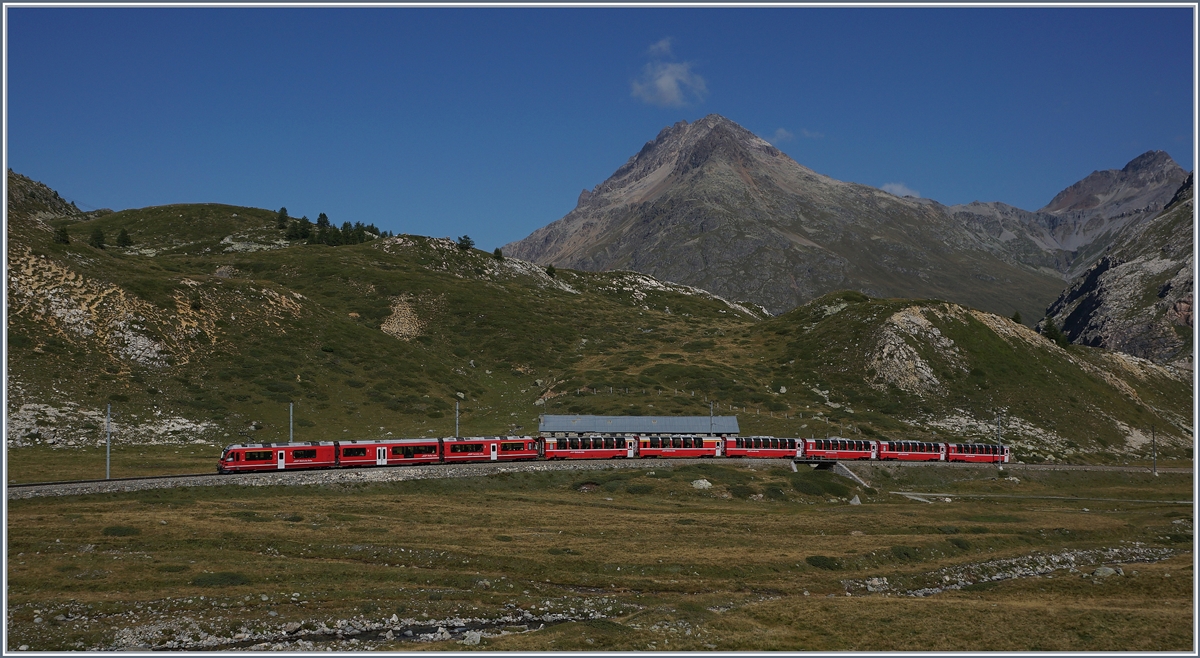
(61, 236)
(497, 254)
(550, 271)
(97, 238)
(1016, 317)
(123, 239)
(465, 243)
(281, 219)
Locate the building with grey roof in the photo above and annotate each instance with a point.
(639, 425)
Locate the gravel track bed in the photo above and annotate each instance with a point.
(359, 475)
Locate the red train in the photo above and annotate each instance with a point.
(398, 452)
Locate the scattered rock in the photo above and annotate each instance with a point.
(855, 501)
(702, 484)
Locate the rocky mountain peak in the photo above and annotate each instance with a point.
(1150, 161)
(1144, 184)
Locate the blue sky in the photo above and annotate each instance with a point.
(489, 122)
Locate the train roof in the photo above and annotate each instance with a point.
(640, 424)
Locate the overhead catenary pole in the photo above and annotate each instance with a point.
(456, 420)
(1154, 450)
(108, 444)
(290, 440)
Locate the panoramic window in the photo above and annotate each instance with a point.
(258, 455)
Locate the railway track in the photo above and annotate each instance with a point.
(399, 473)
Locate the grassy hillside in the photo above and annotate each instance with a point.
(211, 323)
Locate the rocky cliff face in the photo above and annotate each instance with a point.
(711, 205)
(1068, 234)
(1137, 298)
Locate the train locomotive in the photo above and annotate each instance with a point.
(241, 458)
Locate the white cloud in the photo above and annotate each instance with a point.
(899, 189)
(781, 135)
(669, 84)
(808, 134)
(662, 48)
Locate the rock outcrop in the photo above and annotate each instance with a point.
(1137, 298)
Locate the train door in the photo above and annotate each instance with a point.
(381, 456)
(942, 452)
(874, 449)
(720, 446)
(631, 447)
(494, 446)
(279, 460)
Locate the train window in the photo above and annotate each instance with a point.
(467, 447)
(574, 444)
(304, 454)
(258, 455)
(561, 444)
(654, 442)
(237, 456)
(512, 446)
(620, 443)
(425, 450)
(608, 443)
(791, 444)
(738, 442)
(354, 452)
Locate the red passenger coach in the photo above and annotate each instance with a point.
(489, 448)
(762, 447)
(679, 446)
(277, 456)
(913, 451)
(978, 452)
(834, 449)
(594, 447)
(387, 452)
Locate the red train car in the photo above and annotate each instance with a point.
(833, 449)
(387, 452)
(916, 451)
(978, 452)
(762, 447)
(277, 456)
(679, 446)
(595, 447)
(488, 448)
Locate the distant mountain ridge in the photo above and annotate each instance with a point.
(1069, 233)
(710, 204)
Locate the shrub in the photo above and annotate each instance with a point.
(550, 271)
(904, 553)
(220, 579)
(120, 531)
(96, 239)
(960, 543)
(742, 491)
(824, 562)
(948, 530)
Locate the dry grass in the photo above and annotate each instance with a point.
(672, 567)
